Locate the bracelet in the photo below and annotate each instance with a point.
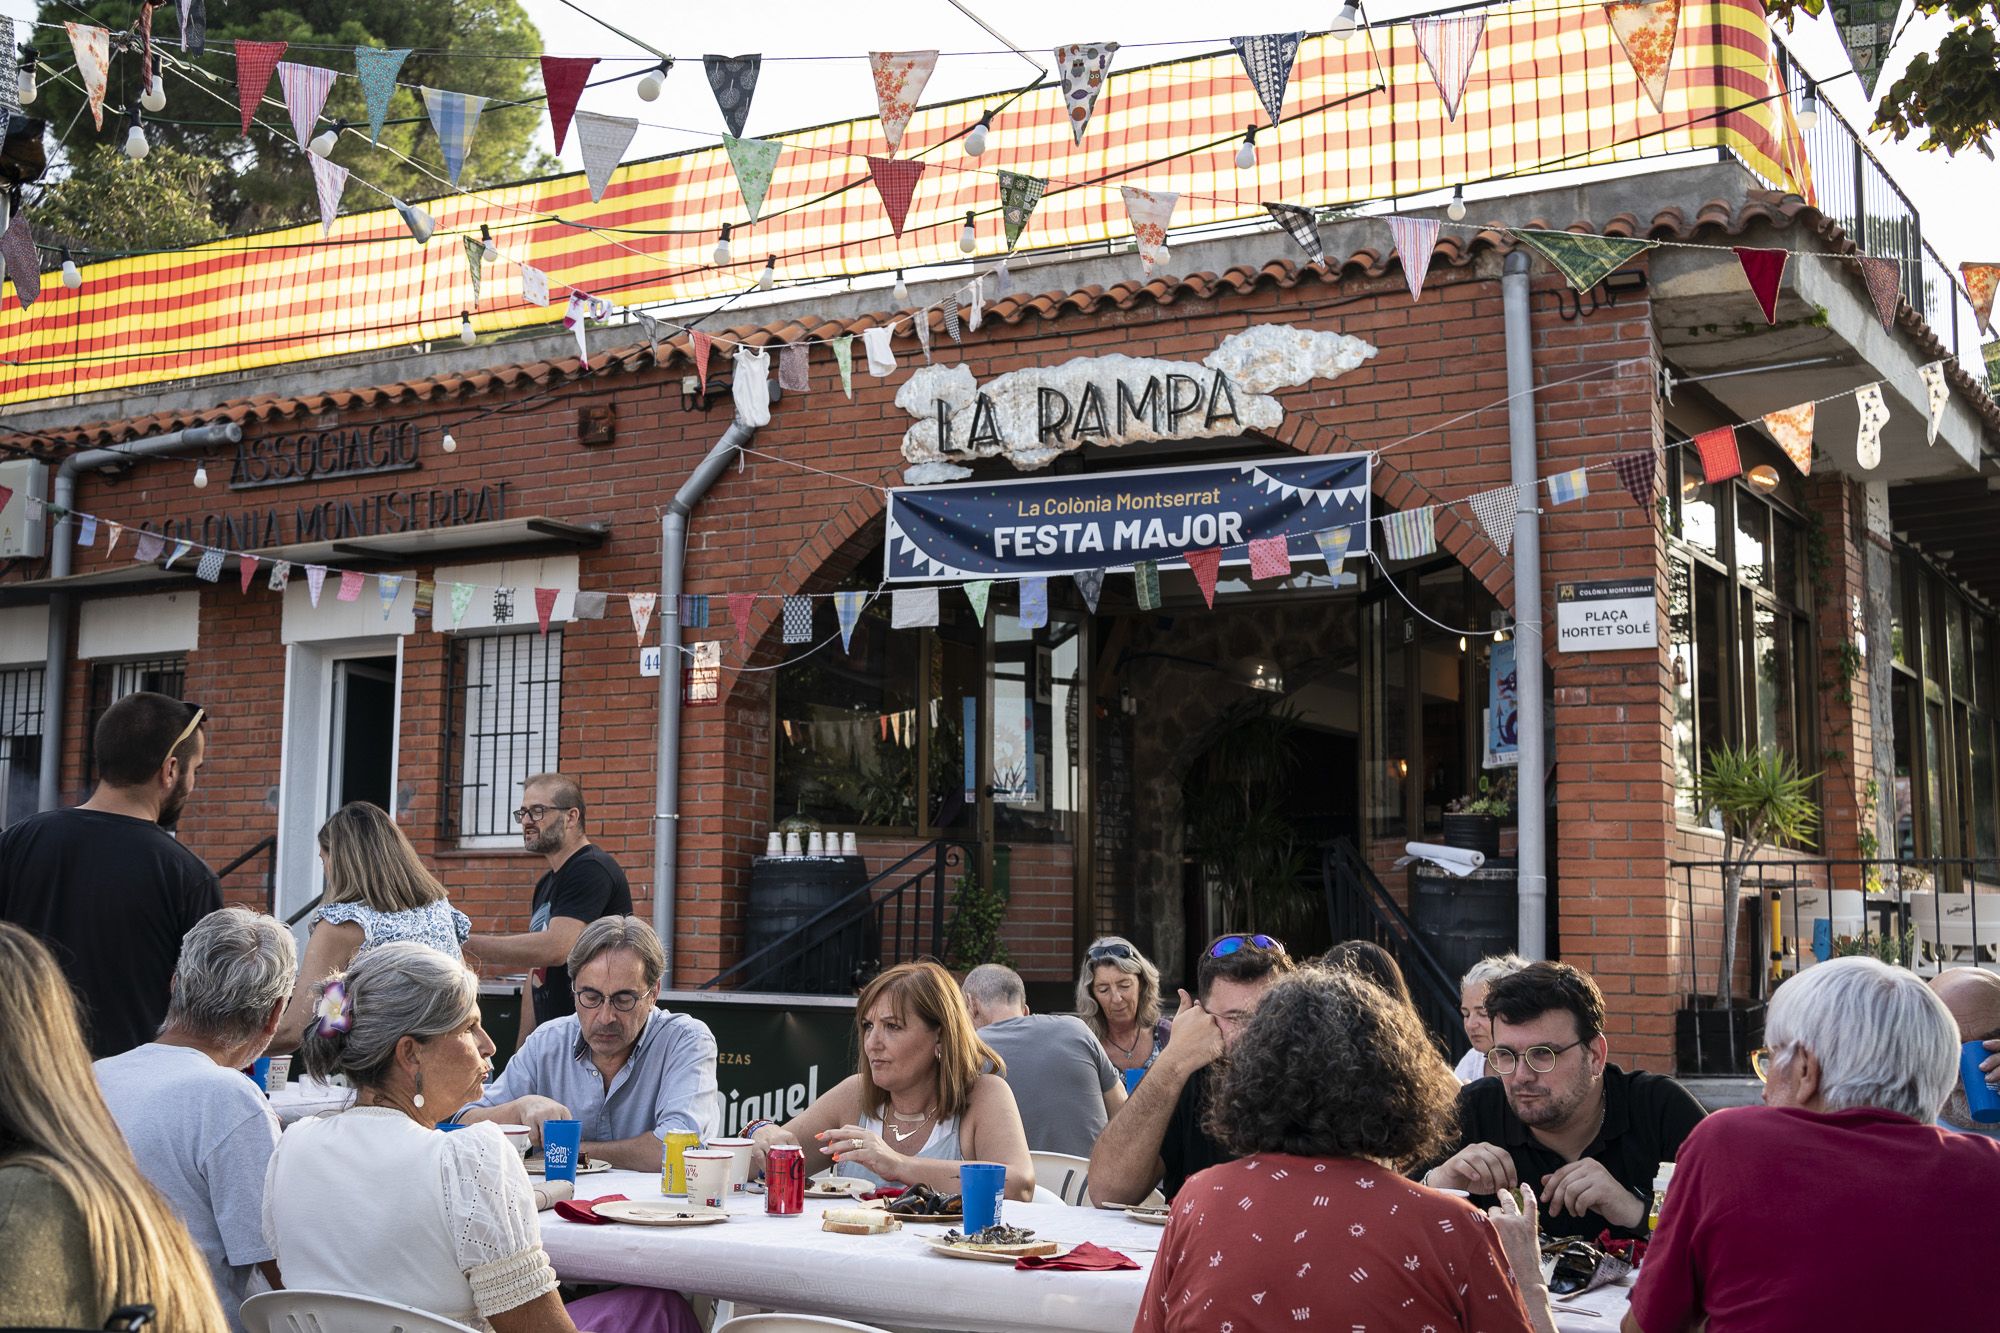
(750, 1130)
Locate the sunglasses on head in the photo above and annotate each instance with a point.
(1099, 952)
(187, 731)
(1230, 944)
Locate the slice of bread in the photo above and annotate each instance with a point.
(1018, 1251)
(858, 1221)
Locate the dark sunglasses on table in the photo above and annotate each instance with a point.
(1541, 1059)
(1100, 952)
(1230, 944)
(535, 814)
(624, 1001)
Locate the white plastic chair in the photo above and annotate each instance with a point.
(339, 1312)
(1067, 1176)
(1955, 929)
(1043, 1194)
(1799, 910)
(786, 1323)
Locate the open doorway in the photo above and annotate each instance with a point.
(362, 740)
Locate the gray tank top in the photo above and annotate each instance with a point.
(941, 1146)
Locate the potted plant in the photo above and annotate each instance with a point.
(1473, 822)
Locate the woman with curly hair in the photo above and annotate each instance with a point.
(1331, 1089)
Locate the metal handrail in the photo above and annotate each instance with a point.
(1359, 907)
(267, 843)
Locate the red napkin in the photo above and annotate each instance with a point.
(584, 1210)
(1085, 1258)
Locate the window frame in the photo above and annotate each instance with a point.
(104, 692)
(542, 650)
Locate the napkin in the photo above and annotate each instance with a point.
(1085, 1258)
(584, 1210)
(549, 1193)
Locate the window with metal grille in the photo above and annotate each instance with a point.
(112, 681)
(502, 715)
(20, 741)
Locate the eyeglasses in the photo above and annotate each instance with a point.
(1230, 944)
(1541, 1059)
(1099, 952)
(186, 732)
(624, 1001)
(1760, 1063)
(535, 814)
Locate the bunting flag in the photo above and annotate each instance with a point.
(876, 342)
(93, 65)
(588, 605)
(798, 618)
(376, 69)
(1034, 602)
(1991, 354)
(86, 531)
(734, 82)
(1146, 585)
(1720, 459)
(246, 572)
(900, 77)
(1082, 67)
(1793, 430)
(913, 608)
(740, 606)
(111, 538)
(545, 608)
(350, 586)
(1150, 213)
(1448, 45)
(641, 605)
(1639, 473)
(1867, 27)
(564, 79)
(1089, 585)
(1416, 241)
(315, 580)
(23, 262)
(1646, 29)
(602, 140)
(254, 63)
(847, 608)
(1764, 269)
(281, 576)
(896, 181)
(795, 367)
(455, 117)
(209, 570)
(1980, 280)
(1937, 395)
(503, 606)
(534, 285)
(755, 161)
(693, 607)
(425, 599)
(922, 322)
(843, 359)
(1270, 557)
(1495, 511)
(1268, 61)
(329, 181)
(1885, 287)
(1018, 197)
(1410, 534)
(305, 88)
(951, 324)
(1333, 544)
(474, 250)
(181, 548)
(1874, 414)
(147, 549)
(194, 26)
(978, 592)
(10, 89)
(387, 588)
(1205, 564)
(974, 301)
(699, 344)
(461, 602)
(421, 224)
(1584, 259)
(1300, 225)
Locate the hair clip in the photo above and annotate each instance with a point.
(334, 1013)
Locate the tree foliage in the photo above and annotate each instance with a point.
(110, 204)
(263, 179)
(1951, 94)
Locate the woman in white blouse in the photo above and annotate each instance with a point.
(376, 1201)
(1472, 1009)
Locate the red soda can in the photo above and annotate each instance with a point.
(785, 1180)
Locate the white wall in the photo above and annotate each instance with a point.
(361, 618)
(166, 622)
(24, 635)
(523, 576)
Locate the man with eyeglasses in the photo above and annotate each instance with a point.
(629, 1070)
(104, 884)
(1556, 1115)
(1158, 1135)
(583, 883)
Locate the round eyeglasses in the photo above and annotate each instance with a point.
(1541, 1059)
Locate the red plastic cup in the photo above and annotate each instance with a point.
(785, 1180)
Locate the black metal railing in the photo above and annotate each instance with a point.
(902, 913)
(266, 847)
(1358, 907)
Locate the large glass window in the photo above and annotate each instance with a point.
(20, 742)
(1947, 752)
(848, 728)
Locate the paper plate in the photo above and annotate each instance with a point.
(837, 1187)
(942, 1219)
(537, 1167)
(1149, 1218)
(960, 1252)
(657, 1214)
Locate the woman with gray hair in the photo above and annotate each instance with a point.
(1472, 1010)
(1118, 996)
(1787, 1216)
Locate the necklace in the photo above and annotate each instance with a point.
(1125, 1049)
(915, 1122)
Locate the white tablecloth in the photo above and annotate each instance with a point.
(300, 1098)
(1606, 1307)
(788, 1263)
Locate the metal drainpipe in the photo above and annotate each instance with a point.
(62, 557)
(1531, 798)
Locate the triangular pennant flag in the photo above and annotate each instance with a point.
(1495, 511)
(1765, 269)
(503, 606)
(210, 568)
(181, 548)
(461, 602)
(315, 580)
(1793, 430)
(974, 303)
(387, 588)
(1082, 67)
(281, 574)
(455, 117)
(1034, 602)
(111, 538)
(23, 262)
(545, 607)
(1409, 534)
(641, 605)
(694, 610)
(86, 528)
(475, 250)
(305, 88)
(1300, 224)
(798, 618)
(896, 181)
(588, 605)
(699, 344)
(847, 606)
(1018, 197)
(246, 571)
(913, 608)
(329, 180)
(951, 324)
(1151, 214)
(795, 367)
(900, 77)
(1937, 395)
(1146, 585)
(1268, 61)
(147, 549)
(534, 285)
(194, 26)
(420, 223)
(756, 161)
(1980, 280)
(878, 344)
(740, 605)
(350, 586)
(602, 140)
(254, 63)
(977, 592)
(1270, 557)
(843, 359)
(376, 69)
(1448, 45)
(1720, 459)
(1333, 544)
(1874, 414)
(425, 599)
(1090, 584)
(922, 322)
(1885, 286)
(1646, 29)
(1205, 564)
(1569, 487)
(1584, 259)
(1416, 242)
(1638, 472)
(734, 82)
(1867, 28)
(93, 64)
(563, 79)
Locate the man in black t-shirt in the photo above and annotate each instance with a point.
(104, 885)
(583, 883)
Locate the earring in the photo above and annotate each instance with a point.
(419, 1098)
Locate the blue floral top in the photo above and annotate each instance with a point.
(439, 924)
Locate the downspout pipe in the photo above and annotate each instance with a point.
(1531, 796)
(62, 559)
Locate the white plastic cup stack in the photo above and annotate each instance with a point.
(774, 844)
(815, 843)
(848, 845)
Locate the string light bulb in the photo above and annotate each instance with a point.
(136, 146)
(769, 276)
(721, 253)
(975, 142)
(327, 140)
(1347, 22)
(1462, 644)
(201, 476)
(1455, 210)
(72, 276)
(449, 443)
(653, 81)
(29, 58)
(487, 254)
(1808, 106)
(902, 289)
(155, 97)
(466, 333)
(968, 236)
(1246, 156)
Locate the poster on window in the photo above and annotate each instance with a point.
(1503, 709)
(704, 673)
(1015, 781)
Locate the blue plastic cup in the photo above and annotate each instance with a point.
(261, 1073)
(1132, 1077)
(449, 1125)
(981, 1186)
(1980, 1097)
(562, 1142)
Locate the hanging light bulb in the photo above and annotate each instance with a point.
(1246, 156)
(770, 274)
(449, 443)
(902, 289)
(136, 146)
(487, 254)
(420, 223)
(1808, 106)
(201, 476)
(1455, 210)
(975, 142)
(968, 237)
(1462, 645)
(323, 143)
(155, 96)
(466, 333)
(29, 58)
(1347, 22)
(653, 81)
(721, 255)
(72, 277)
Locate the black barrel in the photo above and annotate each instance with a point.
(788, 892)
(1462, 920)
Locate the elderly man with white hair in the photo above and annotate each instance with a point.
(1839, 1203)
(202, 1133)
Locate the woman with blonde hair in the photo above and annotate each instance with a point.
(377, 891)
(918, 1106)
(1118, 995)
(82, 1231)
